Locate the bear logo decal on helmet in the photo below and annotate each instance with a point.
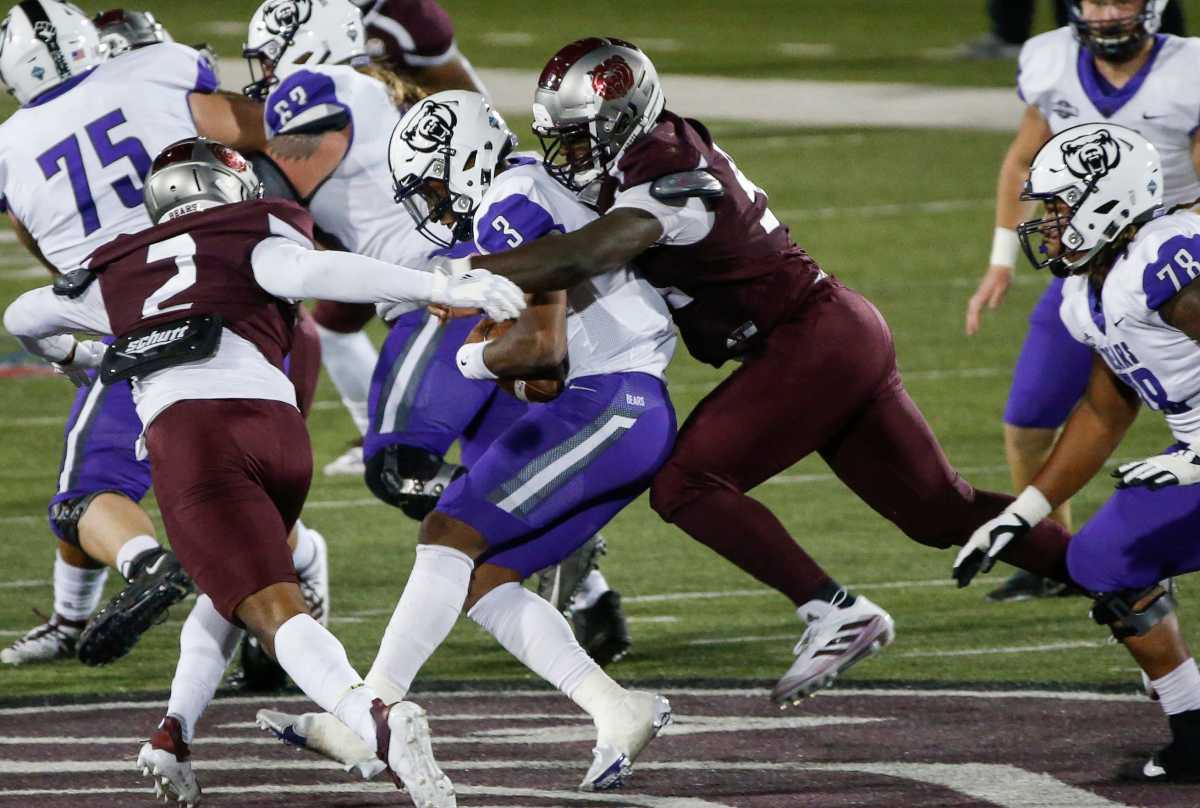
(1093, 155)
(612, 78)
(432, 129)
(287, 15)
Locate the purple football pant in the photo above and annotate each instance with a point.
(1137, 538)
(565, 469)
(1052, 370)
(418, 397)
(98, 454)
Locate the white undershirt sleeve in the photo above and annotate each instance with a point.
(682, 224)
(44, 321)
(288, 270)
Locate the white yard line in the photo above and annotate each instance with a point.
(898, 209)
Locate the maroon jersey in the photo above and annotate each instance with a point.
(200, 264)
(746, 275)
(408, 34)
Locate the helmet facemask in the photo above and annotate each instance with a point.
(441, 215)
(1049, 242)
(265, 58)
(1120, 39)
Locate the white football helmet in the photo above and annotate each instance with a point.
(43, 43)
(1101, 179)
(286, 35)
(443, 155)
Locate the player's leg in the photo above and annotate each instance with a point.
(349, 356)
(1048, 381)
(1137, 539)
(262, 472)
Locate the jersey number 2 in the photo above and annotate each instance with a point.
(67, 153)
(182, 250)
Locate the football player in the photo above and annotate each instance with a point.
(740, 289)
(1108, 65)
(416, 38)
(203, 308)
(72, 161)
(555, 476)
(329, 116)
(1129, 297)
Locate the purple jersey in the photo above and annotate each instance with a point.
(409, 34)
(746, 275)
(200, 264)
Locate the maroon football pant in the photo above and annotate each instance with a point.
(304, 361)
(825, 382)
(231, 476)
(344, 318)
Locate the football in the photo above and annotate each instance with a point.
(536, 391)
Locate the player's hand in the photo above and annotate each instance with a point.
(990, 293)
(446, 313)
(986, 543)
(500, 298)
(84, 356)
(1181, 467)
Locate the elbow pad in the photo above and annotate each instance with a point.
(275, 184)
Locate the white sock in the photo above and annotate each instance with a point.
(593, 586)
(428, 609)
(77, 590)
(304, 555)
(132, 549)
(350, 360)
(1179, 690)
(598, 694)
(206, 644)
(317, 663)
(535, 632)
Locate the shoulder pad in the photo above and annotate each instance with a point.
(73, 284)
(686, 184)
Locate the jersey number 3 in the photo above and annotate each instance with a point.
(68, 154)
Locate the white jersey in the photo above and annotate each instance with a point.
(1122, 323)
(356, 203)
(616, 322)
(1162, 102)
(73, 160)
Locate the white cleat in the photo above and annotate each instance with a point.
(621, 736)
(325, 735)
(51, 640)
(314, 584)
(349, 464)
(836, 638)
(403, 732)
(171, 772)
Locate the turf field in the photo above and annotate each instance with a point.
(904, 216)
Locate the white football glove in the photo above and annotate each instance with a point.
(1181, 467)
(979, 554)
(87, 357)
(500, 298)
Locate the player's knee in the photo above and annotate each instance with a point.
(66, 514)
(938, 518)
(1028, 442)
(409, 478)
(673, 488)
(1133, 612)
(445, 531)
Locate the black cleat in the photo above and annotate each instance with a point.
(1022, 585)
(1177, 762)
(601, 630)
(258, 672)
(156, 583)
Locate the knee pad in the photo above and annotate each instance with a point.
(409, 478)
(1133, 612)
(65, 516)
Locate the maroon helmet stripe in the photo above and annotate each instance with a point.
(555, 69)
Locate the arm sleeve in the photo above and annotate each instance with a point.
(288, 270)
(43, 321)
(682, 224)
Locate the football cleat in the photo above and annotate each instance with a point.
(1022, 585)
(325, 735)
(836, 638)
(348, 464)
(602, 630)
(156, 583)
(53, 639)
(560, 583)
(402, 738)
(1178, 761)
(167, 760)
(621, 736)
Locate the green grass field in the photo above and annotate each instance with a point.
(855, 200)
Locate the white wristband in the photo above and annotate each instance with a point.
(1031, 505)
(1005, 247)
(470, 361)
